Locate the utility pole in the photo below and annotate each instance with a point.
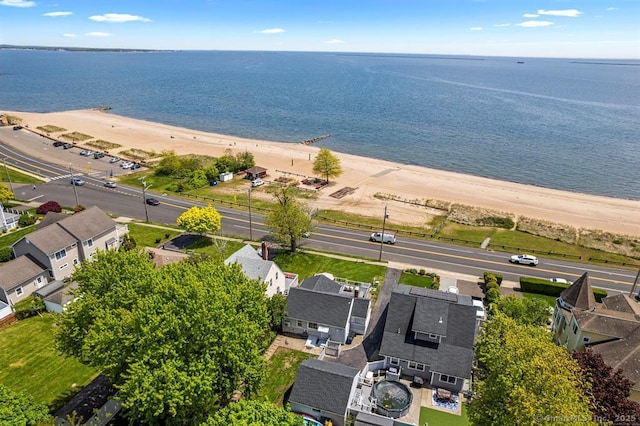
(75, 190)
(144, 199)
(250, 223)
(4, 160)
(384, 220)
(636, 282)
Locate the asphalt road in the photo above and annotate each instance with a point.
(36, 154)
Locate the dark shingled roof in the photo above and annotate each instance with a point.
(51, 218)
(49, 289)
(321, 283)
(323, 308)
(87, 224)
(360, 307)
(18, 271)
(579, 294)
(607, 322)
(323, 385)
(623, 354)
(622, 303)
(50, 239)
(454, 354)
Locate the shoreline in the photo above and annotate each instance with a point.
(367, 176)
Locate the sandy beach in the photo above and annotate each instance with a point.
(366, 175)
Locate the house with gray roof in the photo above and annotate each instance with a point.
(430, 334)
(324, 309)
(20, 277)
(323, 389)
(257, 266)
(56, 296)
(69, 240)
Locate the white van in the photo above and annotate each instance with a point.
(388, 238)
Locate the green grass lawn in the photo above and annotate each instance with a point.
(307, 265)
(440, 418)
(18, 177)
(30, 363)
(416, 280)
(207, 246)
(148, 236)
(13, 236)
(549, 300)
(282, 369)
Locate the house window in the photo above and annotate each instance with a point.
(61, 254)
(313, 325)
(433, 336)
(394, 361)
(416, 366)
(575, 327)
(287, 324)
(300, 323)
(90, 242)
(270, 282)
(75, 261)
(74, 244)
(586, 339)
(64, 266)
(448, 379)
(38, 280)
(276, 275)
(19, 291)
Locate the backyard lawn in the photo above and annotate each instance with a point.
(30, 363)
(440, 418)
(148, 236)
(416, 280)
(549, 300)
(307, 265)
(282, 369)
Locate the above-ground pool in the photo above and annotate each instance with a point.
(311, 422)
(393, 399)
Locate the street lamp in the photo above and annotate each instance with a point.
(144, 199)
(4, 160)
(250, 223)
(75, 190)
(384, 220)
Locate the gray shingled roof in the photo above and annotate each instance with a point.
(623, 354)
(87, 224)
(323, 385)
(607, 322)
(246, 252)
(18, 271)
(63, 295)
(322, 284)
(622, 303)
(454, 354)
(360, 307)
(252, 264)
(51, 218)
(322, 308)
(50, 239)
(579, 294)
(430, 318)
(49, 289)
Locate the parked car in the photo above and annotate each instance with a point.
(257, 182)
(126, 164)
(110, 184)
(17, 127)
(58, 143)
(479, 305)
(524, 259)
(86, 153)
(560, 281)
(153, 201)
(98, 155)
(67, 145)
(77, 181)
(387, 238)
(135, 166)
(114, 159)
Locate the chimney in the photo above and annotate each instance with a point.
(356, 293)
(265, 251)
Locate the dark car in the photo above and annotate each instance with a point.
(67, 145)
(98, 155)
(135, 166)
(153, 201)
(17, 127)
(58, 143)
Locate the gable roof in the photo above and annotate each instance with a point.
(323, 308)
(246, 252)
(579, 294)
(409, 307)
(321, 283)
(607, 322)
(49, 239)
(623, 354)
(323, 385)
(256, 170)
(63, 295)
(251, 262)
(87, 224)
(18, 271)
(50, 218)
(49, 289)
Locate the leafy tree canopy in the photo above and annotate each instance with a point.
(176, 341)
(20, 409)
(522, 377)
(289, 220)
(5, 194)
(327, 165)
(611, 389)
(523, 310)
(201, 220)
(254, 413)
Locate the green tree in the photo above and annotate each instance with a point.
(176, 341)
(244, 161)
(227, 163)
(212, 172)
(198, 179)
(169, 165)
(522, 377)
(289, 220)
(5, 194)
(278, 311)
(254, 413)
(326, 164)
(523, 310)
(201, 220)
(20, 409)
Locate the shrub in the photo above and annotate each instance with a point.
(541, 286)
(422, 272)
(29, 308)
(6, 254)
(492, 284)
(496, 221)
(493, 295)
(128, 243)
(49, 206)
(488, 276)
(26, 220)
(78, 208)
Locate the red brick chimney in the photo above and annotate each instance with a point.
(265, 251)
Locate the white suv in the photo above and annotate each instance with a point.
(257, 182)
(524, 259)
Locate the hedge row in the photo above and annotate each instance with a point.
(541, 286)
(492, 276)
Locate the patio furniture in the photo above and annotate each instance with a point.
(443, 394)
(417, 381)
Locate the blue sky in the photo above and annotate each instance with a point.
(522, 28)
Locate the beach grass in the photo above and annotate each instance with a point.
(32, 364)
(76, 137)
(50, 128)
(103, 145)
(282, 369)
(431, 417)
(307, 265)
(139, 154)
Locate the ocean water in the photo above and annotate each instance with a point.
(557, 123)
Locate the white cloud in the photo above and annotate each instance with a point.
(271, 31)
(476, 28)
(55, 14)
(98, 34)
(501, 25)
(568, 13)
(534, 24)
(333, 41)
(17, 3)
(609, 9)
(530, 15)
(69, 35)
(118, 17)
